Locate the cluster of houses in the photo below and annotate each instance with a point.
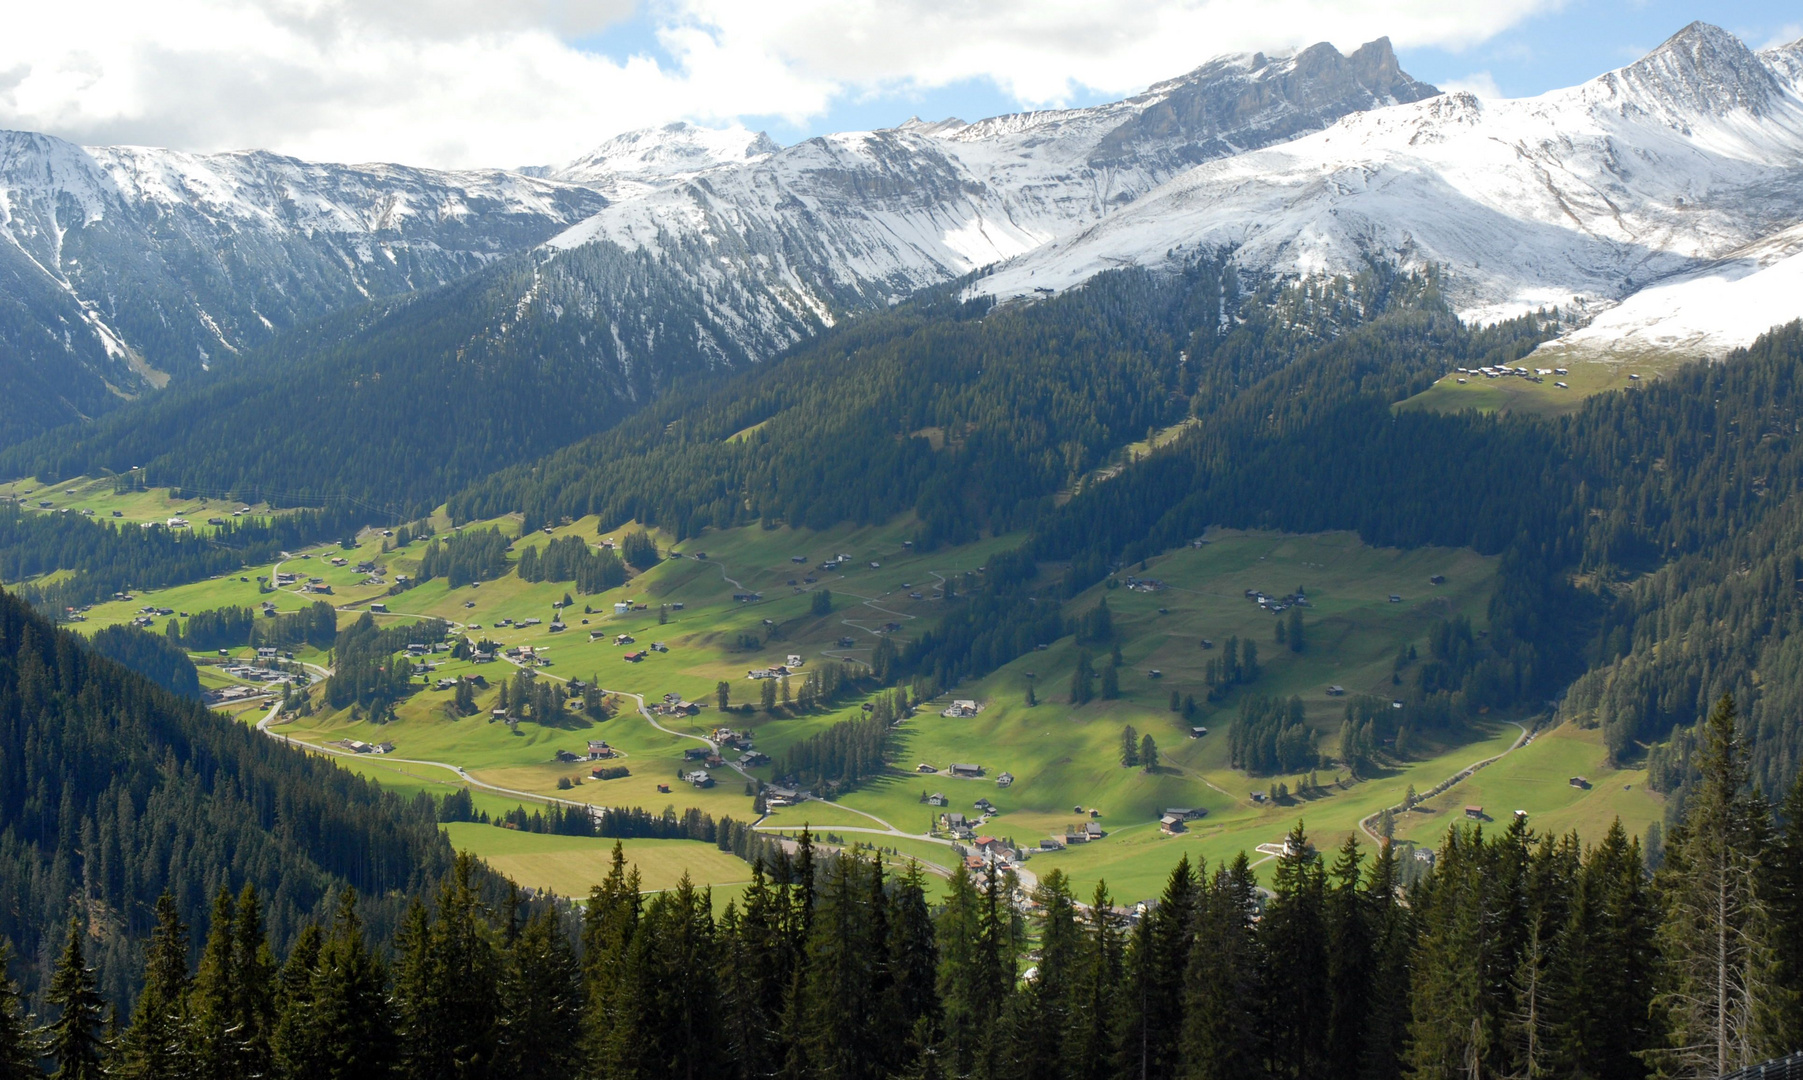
(962, 708)
(674, 705)
(526, 655)
(226, 695)
(1173, 819)
(1504, 371)
(357, 746)
(1139, 584)
(1275, 604)
(778, 671)
(146, 616)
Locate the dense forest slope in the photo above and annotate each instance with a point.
(113, 790)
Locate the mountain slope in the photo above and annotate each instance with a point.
(113, 790)
(1576, 198)
(125, 265)
(793, 240)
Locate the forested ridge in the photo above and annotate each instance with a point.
(113, 790)
(1516, 954)
(973, 417)
(397, 404)
(108, 557)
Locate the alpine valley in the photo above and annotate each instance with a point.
(1292, 574)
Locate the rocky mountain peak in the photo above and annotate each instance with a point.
(1701, 69)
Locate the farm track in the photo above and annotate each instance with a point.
(1450, 782)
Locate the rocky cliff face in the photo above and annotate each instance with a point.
(123, 266)
(763, 252)
(1683, 171)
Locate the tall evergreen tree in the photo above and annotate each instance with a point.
(18, 1050)
(1606, 987)
(1348, 917)
(1294, 939)
(1222, 1021)
(1088, 1046)
(446, 979)
(1717, 984)
(155, 1046)
(540, 1031)
(72, 1041)
(292, 1054)
(214, 1023)
(1783, 888)
(350, 1025)
(1151, 998)
(1392, 943)
(608, 928)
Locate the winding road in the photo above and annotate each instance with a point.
(1448, 783)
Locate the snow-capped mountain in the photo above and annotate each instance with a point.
(640, 162)
(771, 248)
(1672, 187)
(120, 266)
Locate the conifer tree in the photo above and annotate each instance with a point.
(1111, 681)
(1148, 752)
(1783, 887)
(1392, 938)
(1348, 918)
(350, 1027)
(214, 1022)
(1151, 998)
(1222, 1022)
(609, 925)
(540, 1028)
(1606, 987)
(18, 1050)
(72, 1041)
(155, 1046)
(1294, 936)
(1129, 747)
(1717, 983)
(1088, 1047)
(290, 1038)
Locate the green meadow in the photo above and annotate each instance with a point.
(1512, 394)
(1064, 759)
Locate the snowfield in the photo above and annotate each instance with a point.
(1665, 196)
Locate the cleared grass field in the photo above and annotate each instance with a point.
(570, 865)
(1537, 778)
(1512, 394)
(1062, 757)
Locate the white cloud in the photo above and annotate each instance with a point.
(484, 82)
(1481, 83)
(1788, 34)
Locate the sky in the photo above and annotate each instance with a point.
(467, 83)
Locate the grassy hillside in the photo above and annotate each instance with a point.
(1062, 756)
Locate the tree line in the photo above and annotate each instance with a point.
(113, 791)
(106, 557)
(1514, 954)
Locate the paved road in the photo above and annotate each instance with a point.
(1456, 778)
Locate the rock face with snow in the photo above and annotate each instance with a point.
(759, 253)
(120, 266)
(1672, 188)
(640, 162)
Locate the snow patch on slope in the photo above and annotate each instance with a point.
(1580, 196)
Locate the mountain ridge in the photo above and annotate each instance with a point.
(1578, 198)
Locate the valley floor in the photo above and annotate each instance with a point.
(1364, 606)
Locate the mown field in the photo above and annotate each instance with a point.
(1062, 756)
(1512, 394)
